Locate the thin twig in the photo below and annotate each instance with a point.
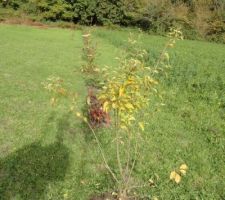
(133, 164)
(128, 155)
(162, 53)
(117, 146)
(102, 153)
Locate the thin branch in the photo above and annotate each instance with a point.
(133, 164)
(117, 146)
(128, 154)
(162, 53)
(102, 153)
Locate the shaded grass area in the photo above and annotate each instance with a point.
(47, 154)
(26, 173)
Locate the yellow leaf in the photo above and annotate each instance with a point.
(172, 175)
(114, 106)
(171, 45)
(129, 82)
(129, 106)
(102, 96)
(105, 106)
(113, 98)
(78, 114)
(121, 91)
(88, 101)
(183, 171)
(175, 176)
(86, 35)
(114, 194)
(184, 167)
(141, 125)
(131, 119)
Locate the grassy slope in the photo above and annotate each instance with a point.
(37, 164)
(191, 127)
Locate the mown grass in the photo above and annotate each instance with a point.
(45, 152)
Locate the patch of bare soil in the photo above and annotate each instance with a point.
(24, 21)
(30, 22)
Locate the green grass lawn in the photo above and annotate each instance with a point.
(46, 154)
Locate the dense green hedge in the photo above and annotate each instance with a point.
(197, 18)
(86, 12)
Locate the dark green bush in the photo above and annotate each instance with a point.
(197, 19)
(88, 12)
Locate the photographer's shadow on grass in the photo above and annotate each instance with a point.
(25, 174)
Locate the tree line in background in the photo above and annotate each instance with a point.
(197, 18)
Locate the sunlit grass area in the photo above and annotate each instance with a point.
(47, 154)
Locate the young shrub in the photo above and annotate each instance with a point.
(125, 93)
(89, 54)
(94, 111)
